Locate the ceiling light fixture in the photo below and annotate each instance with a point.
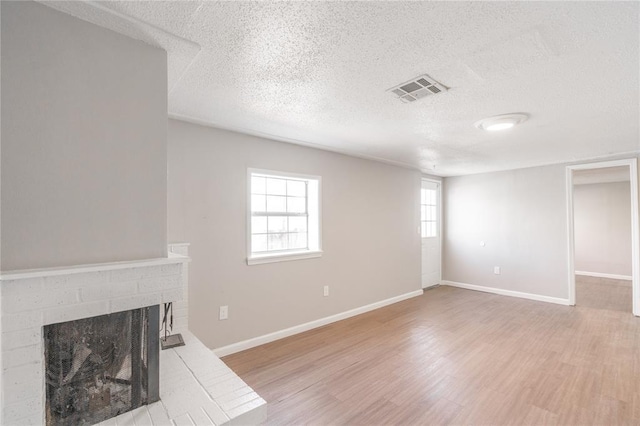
(501, 122)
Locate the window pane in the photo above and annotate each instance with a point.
(423, 213)
(296, 204)
(423, 196)
(298, 224)
(298, 240)
(432, 197)
(424, 229)
(258, 243)
(276, 203)
(276, 186)
(432, 229)
(259, 225)
(277, 224)
(296, 188)
(277, 241)
(258, 203)
(432, 212)
(258, 185)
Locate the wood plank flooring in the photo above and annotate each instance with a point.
(454, 357)
(603, 293)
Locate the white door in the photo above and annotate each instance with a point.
(430, 231)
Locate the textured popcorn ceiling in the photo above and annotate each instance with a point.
(316, 73)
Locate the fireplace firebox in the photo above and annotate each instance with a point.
(97, 368)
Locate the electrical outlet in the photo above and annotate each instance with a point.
(326, 290)
(224, 313)
(496, 270)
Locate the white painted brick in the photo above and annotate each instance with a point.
(182, 250)
(17, 393)
(172, 269)
(210, 383)
(140, 301)
(226, 387)
(23, 373)
(243, 392)
(183, 420)
(245, 408)
(75, 312)
(18, 339)
(178, 401)
(256, 416)
(14, 414)
(37, 300)
(109, 422)
(22, 383)
(160, 283)
(243, 400)
(25, 355)
(141, 416)
(108, 291)
(32, 419)
(215, 413)
(13, 288)
(158, 414)
(200, 417)
(130, 274)
(125, 419)
(78, 280)
(21, 321)
(171, 296)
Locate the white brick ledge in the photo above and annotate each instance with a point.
(96, 267)
(197, 389)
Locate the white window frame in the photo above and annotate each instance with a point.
(436, 219)
(314, 228)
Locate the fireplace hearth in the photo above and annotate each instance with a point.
(100, 367)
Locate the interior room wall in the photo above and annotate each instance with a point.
(520, 216)
(370, 218)
(602, 223)
(83, 161)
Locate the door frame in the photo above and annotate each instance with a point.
(632, 163)
(440, 227)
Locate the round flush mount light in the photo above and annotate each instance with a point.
(501, 122)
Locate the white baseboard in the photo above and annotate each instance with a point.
(267, 338)
(602, 275)
(510, 293)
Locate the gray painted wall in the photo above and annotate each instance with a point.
(521, 217)
(84, 117)
(602, 223)
(370, 220)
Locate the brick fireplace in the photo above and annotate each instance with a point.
(196, 388)
(34, 299)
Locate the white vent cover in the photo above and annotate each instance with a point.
(417, 88)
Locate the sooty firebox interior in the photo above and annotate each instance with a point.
(100, 367)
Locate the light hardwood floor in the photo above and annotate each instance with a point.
(455, 357)
(603, 293)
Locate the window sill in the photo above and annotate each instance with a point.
(283, 257)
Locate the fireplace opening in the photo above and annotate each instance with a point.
(100, 367)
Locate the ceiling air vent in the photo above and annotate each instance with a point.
(418, 88)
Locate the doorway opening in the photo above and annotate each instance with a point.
(431, 232)
(602, 213)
